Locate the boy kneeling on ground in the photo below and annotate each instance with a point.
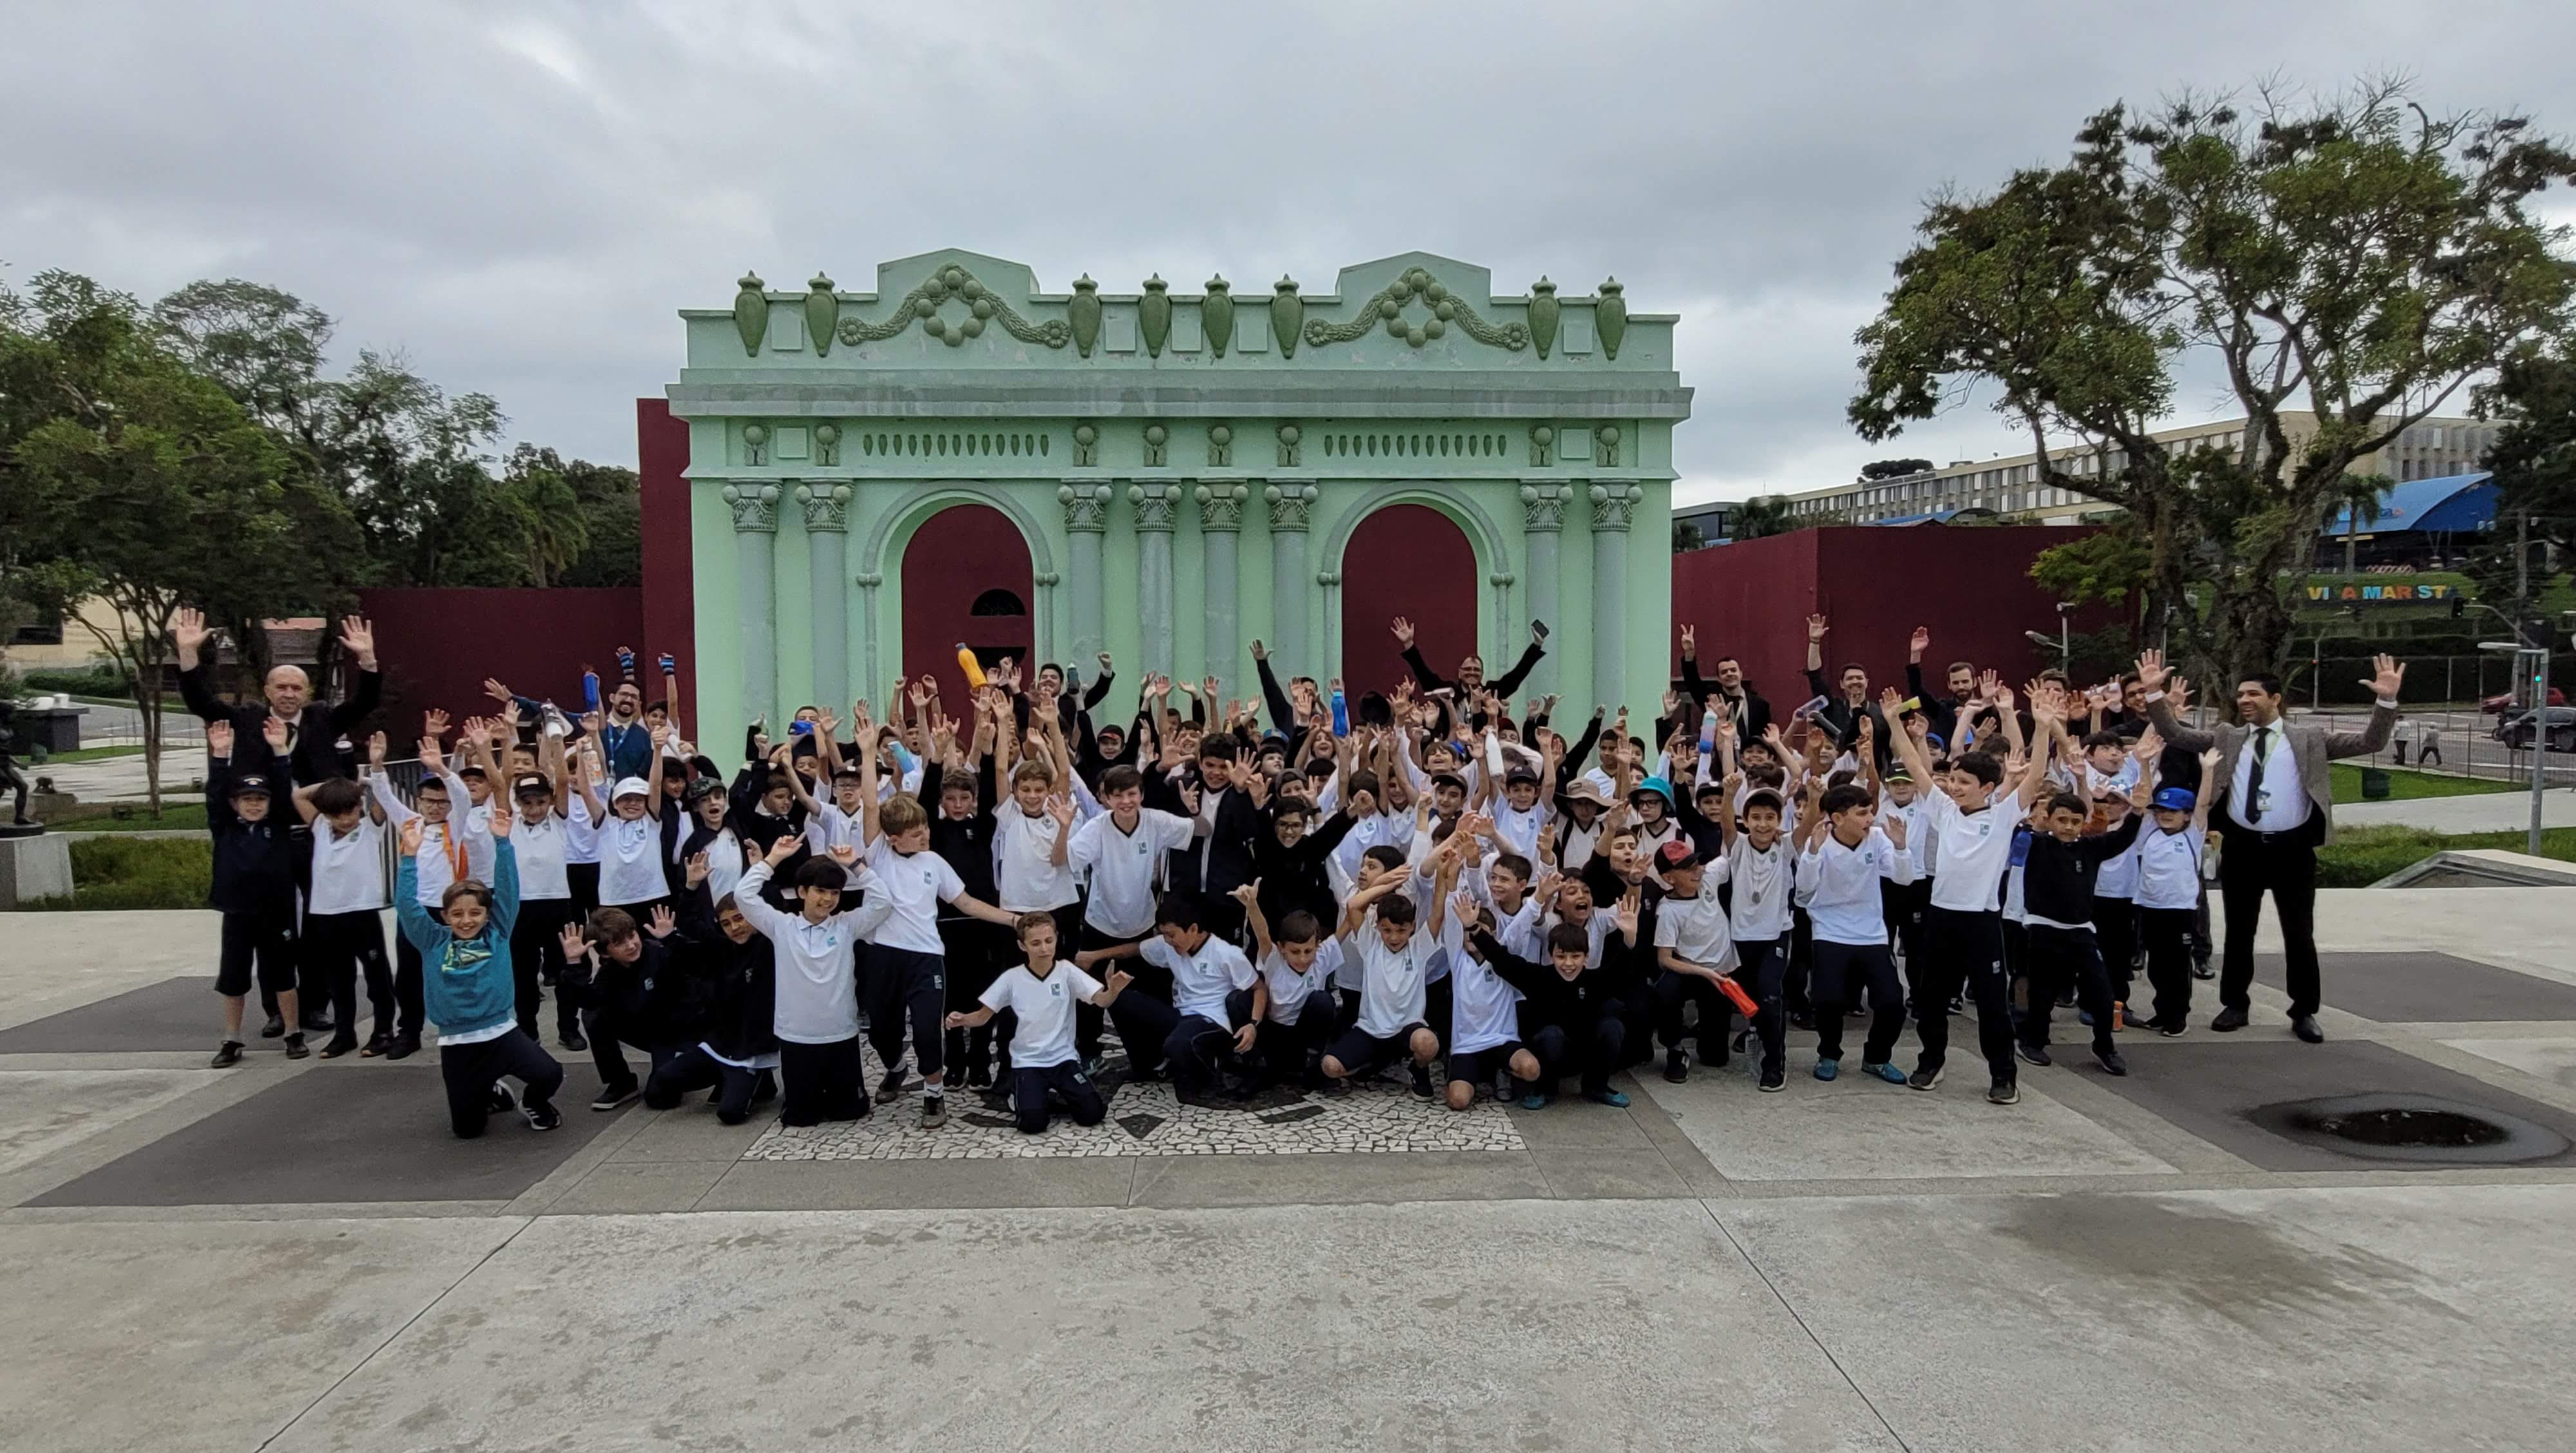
(1041, 993)
(472, 995)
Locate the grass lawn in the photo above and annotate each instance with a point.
(2361, 856)
(2404, 784)
(125, 872)
(179, 812)
(90, 754)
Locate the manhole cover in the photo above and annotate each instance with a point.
(2411, 1128)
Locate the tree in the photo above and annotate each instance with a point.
(155, 486)
(2112, 564)
(1894, 468)
(2534, 460)
(1764, 514)
(2357, 498)
(2360, 260)
(1687, 536)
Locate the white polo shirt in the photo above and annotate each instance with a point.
(913, 887)
(1391, 980)
(1289, 989)
(1123, 866)
(1838, 886)
(1695, 929)
(1201, 980)
(630, 862)
(2168, 868)
(1972, 848)
(540, 848)
(1044, 1038)
(817, 979)
(1024, 877)
(348, 872)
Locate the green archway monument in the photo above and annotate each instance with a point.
(1185, 468)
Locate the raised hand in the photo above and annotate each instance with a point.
(376, 750)
(219, 738)
(1256, 785)
(273, 731)
(1919, 642)
(1988, 683)
(1258, 653)
(1816, 629)
(781, 850)
(1105, 668)
(1249, 895)
(495, 690)
(188, 629)
(2209, 759)
(2151, 670)
(844, 854)
(503, 819)
(663, 923)
(1403, 630)
(1629, 906)
(411, 832)
(2388, 675)
(1690, 641)
(2177, 694)
(575, 943)
(433, 723)
(1895, 826)
(699, 868)
(1117, 980)
(358, 638)
(1061, 809)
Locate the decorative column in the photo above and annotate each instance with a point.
(1543, 527)
(1614, 505)
(1220, 530)
(1086, 520)
(827, 534)
(873, 669)
(755, 540)
(1290, 504)
(1154, 505)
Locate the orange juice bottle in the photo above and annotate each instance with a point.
(967, 663)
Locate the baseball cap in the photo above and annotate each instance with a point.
(630, 787)
(1678, 854)
(2176, 799)
(249, 784)
(1518, 775)
(532, 783)
(703, 788)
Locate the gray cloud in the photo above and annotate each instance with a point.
(519, 196)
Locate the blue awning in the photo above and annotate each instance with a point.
(2451, 505)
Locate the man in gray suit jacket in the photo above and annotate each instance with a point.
(2279, 805)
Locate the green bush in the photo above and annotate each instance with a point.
(132, 872)
(2361, 856)
(89, 681)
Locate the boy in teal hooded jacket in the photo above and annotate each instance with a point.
(471, 993)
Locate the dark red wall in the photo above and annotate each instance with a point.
(437, 645)
(1411, 561)
(1970, 585)
(957, 555)
(669, 606)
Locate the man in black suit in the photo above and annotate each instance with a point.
(1943, 711)
(1471, 668)
(314, 728)
(1735, 696)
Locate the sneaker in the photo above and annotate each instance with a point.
(1092, 1065)
(317, 1023)
(1611, 1098)
(2228, 1021)
(227, 1055)
(892, 1084)
(1422, 1082)
(2132, 1019)
(2003, 1092)
(338, 1047)
(2111, 1062)
(573, 1042)
(1826, 1069)
(2173, 1029)
(273, 1028)
(1958, 1004)
(2036, 1054)
(2084, 1017)
(296, 1048)
(2202, 970)
(1677, 1066)
(403, 1047)
(934, 1111)
(1802, 1019)
(377, 1044)
(1923, 1079)
(502, 1100)
(1773, 1082)
(612, 1096)
(1534, 1100)
(1889, 1073)
(542, 1117)
(979, 1078)
(2066, 999)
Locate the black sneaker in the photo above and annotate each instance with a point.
(404, 1046)
(296, 1048)
(2172, 1028)
(892, 1084)
(1676, 1066)
(501, 1101)
(573, 1042)
(273, 1028)
(1422, 1082)
(1958, 1004)
(934, 1111)
(338, 1047)
(612, 1096)
(2033, 1054)
(1774, 1081)
(2228, 1021)
(227, 1055)
(1923, 1079)
(2202, 970)
(2003, 1092)
(542, 1117)
(979, 1078)
(2111, 1062)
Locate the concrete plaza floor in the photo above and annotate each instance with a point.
(297, 1256)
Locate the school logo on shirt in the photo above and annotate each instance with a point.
(1056, 989)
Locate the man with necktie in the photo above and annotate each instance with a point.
(2277, 807)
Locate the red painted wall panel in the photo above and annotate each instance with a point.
(1970, 585)
(1405, 560)
(957, 555)
(669, 605)
(437, 646)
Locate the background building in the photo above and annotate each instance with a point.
(2010, 486)
(871, 478)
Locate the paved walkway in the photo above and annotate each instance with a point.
(2481, 812)
(296, 1256)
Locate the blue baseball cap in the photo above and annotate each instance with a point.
(2175, 799)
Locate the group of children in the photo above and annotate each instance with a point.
(1406, 879)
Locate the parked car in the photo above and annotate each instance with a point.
(2499, 705)
(2516, 732)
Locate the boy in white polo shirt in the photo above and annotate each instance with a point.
(1971, 814)
(2167, 884)
(815, 1004)
(1123, 850)
(907, 969)
(1694, 949)
(1296, 964)
(1042, 992)
(1845, 857)
(1213, 1016)
(344, 929)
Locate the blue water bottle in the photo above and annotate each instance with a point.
(590, 689)
(1341, 714)
(1708, 733)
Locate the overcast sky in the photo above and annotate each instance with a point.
(519, 196)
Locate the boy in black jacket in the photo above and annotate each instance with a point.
(1569, 1017)
(254, 889)
(732, 987)
(2057, 905)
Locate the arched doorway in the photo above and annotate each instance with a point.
(1405, 560)
(966, 577)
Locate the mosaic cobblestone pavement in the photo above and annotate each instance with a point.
(1380, 1116)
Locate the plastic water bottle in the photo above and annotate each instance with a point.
(1708, 733)
(1341, 714)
